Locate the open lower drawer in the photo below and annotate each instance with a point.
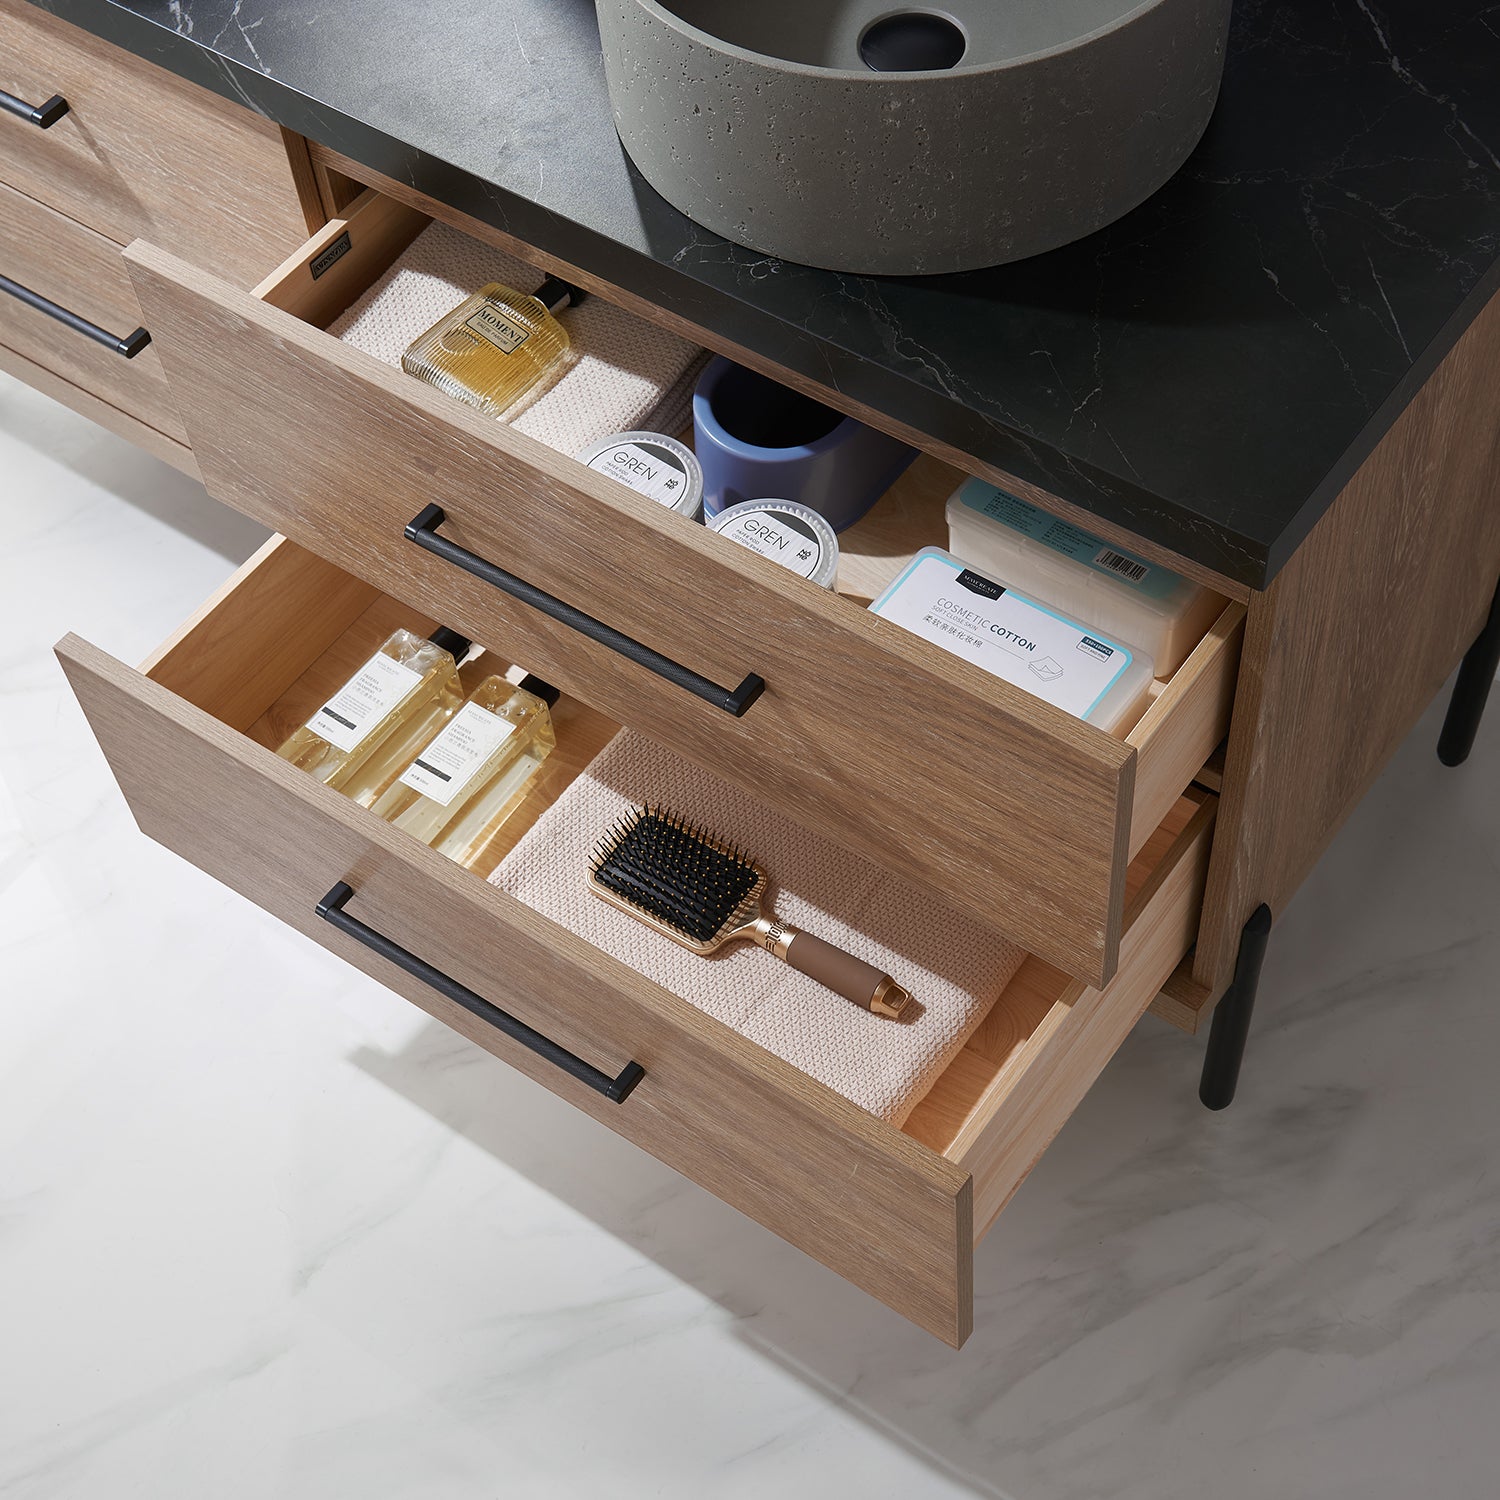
(909, 756)
(895, 1211)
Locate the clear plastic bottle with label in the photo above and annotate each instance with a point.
(495, 346)
(369, 780)
(401, 685)
(467, 780)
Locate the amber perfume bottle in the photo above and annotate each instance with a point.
(466, 781)
(495, 346)
(399, 686)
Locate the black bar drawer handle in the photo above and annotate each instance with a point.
(43, 116)
(422, 530)
(331, 909)
(129, 346)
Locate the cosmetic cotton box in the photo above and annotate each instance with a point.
(1022, 640)
(1159, 611)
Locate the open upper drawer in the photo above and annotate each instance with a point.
(897, 1212)
(1006, 807)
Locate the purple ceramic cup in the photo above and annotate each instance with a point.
(756, 437)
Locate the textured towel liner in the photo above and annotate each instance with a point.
(628, 373)
(955, 968)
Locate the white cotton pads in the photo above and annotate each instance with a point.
(1029, 644)
(1163, 613)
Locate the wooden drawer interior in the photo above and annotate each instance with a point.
(290, 628)
(872, 553)
(951, 766)
(954, 1116)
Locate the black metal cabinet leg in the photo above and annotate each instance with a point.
(1475, 674)
(1231, 1022)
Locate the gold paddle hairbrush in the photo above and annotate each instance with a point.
(701, 893)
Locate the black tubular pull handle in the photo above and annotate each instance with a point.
(127, 347)
(423, 530)
(43, 116)
(331, 909)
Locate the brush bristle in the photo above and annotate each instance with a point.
(674, 871)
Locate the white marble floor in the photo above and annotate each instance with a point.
(266, 1232)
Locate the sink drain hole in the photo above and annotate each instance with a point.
(912, 41)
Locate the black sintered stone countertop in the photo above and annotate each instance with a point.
(1207, 372)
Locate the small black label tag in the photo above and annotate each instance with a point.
(321, 262)
(977, 585)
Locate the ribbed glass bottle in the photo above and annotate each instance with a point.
(491, 349)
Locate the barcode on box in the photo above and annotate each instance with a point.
(1126, 567)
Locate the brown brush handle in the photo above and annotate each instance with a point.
(846, 975)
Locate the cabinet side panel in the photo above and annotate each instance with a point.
(1355, 636)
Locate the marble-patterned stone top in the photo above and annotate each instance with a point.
(1206, 372)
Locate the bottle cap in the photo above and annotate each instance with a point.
(539, 689)
(555, 294)
(456, 645)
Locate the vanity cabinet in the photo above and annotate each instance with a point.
(1127, 867)
(948, 769)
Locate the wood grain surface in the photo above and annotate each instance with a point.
(1011, 810)
(862, 1197)
(1354, 638)
(1059, 1063)
(271, 620)
(1185, 723)
(142, 152)
(83, 271)
(1183, 1001)
(189, 737)
(1023, 1072)
(382, 229)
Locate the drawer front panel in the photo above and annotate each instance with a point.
(1005, 807)
(888, 1214)
(83, 272)
(141, 152)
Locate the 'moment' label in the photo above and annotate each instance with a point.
(497, 327)
(448, 766)
(364, 702)
(1005, 633)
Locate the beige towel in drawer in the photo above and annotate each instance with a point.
(629, 374)
(953, 967)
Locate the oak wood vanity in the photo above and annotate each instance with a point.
(1128, 867)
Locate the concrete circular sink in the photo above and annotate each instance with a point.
(863, 136)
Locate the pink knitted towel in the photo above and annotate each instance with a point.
(953, 967)
(628, 373)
